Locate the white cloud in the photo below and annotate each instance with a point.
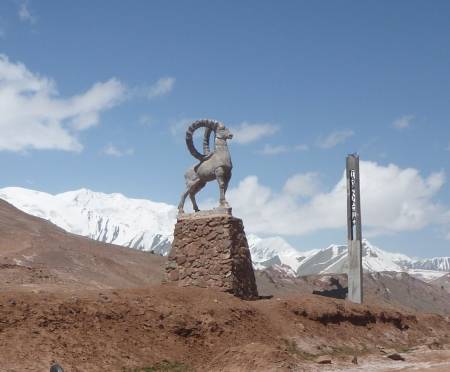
(281, 149)
(246, 132)
(25, 14)
(162, 87)
(34, 116)
(305, 184)
(274, 150)
(403, 122)
(393, 200)
(334, 139)
(112, 150)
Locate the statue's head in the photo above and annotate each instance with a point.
(222, 132)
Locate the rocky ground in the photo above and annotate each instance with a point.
(203, 330)
(96, 307)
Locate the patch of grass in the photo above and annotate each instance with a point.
(292, 348)
(402, 348)
(337, 351)
(164, 366)
(344, 350)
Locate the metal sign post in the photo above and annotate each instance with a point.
(355, 270)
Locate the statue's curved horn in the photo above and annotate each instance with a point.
(206, 139)
(210, 126)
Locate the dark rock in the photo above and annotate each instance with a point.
(56, 368)
(395, 356)
(324, 359)
(435, 345)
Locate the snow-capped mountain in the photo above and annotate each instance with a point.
(436, 263)
(146, 225)
(333, 260)
(134, 223)
(275, 251)
(111, 218)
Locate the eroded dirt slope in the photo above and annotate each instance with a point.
(198, 328)
(98, 307)
(34, 253)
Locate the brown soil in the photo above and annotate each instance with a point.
(197, 328)
(76, 301)
(34, 253)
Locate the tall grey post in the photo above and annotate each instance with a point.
(355, 270)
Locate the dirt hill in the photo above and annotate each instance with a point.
(34, 253)
(193, 328)
(97, 307)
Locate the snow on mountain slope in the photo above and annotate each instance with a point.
(271, 251)
(436, 263)
(110, 218)
(146, 225)
(134, 223)
(427, 276)
(329, 260)
(333, 260)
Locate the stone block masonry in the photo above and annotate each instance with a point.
(212, 251)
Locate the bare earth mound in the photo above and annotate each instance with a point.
(34, 253)
(77, 301)
(198, 328)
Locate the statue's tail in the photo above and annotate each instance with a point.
(209, 125)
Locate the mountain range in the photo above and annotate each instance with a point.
(109, 218)
(333, 260)
(148, 226)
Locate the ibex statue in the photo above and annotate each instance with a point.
(215, 165)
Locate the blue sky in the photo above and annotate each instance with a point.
(97, 94)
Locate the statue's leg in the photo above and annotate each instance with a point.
(220, 176)
(194, 202)
(183, 199)
(225, 188)
(227, 181)
(194, 190)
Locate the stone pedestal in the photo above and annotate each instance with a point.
(211, 250)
